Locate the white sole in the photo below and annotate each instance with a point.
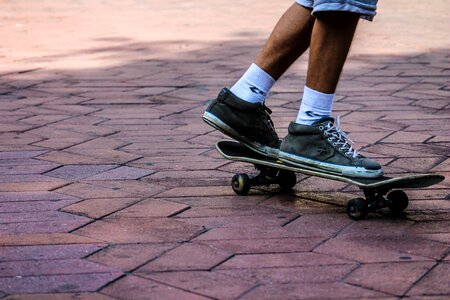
(342, 170)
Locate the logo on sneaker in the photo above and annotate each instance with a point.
(257, 91)
(313, 114)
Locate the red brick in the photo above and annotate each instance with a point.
(46, 252)
(24, 170)
(201, 257)
(241, 220)
(198, 191)
(434, 283)
(132, 287)
(280, 260)
(284, 275)
(213, 284)
(391, 278)
(361, 249)
(50, 267)
(99, 207)
(60, 296)
(130, 256)
(140, 230)
(77, 172)
(311, 291)
(33, 196)
(44, 239)
(151, 208)
(123, 172)
(272, 245)
(56, 283)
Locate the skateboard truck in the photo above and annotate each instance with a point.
(358, 208)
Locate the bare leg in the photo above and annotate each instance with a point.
(331, 38)
(289, 39)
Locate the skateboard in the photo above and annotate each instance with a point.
(378, 193)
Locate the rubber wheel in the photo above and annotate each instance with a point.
(399, 202)
(357, 209)
(241, 184)
(286, 179)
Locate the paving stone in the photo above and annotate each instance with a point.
(243, 220)
(34, 206)
(132, 188)
(284, 275)
(60, 296)
(361, 249)
(32, 217)
(274, 245)
(61, 143)
(314, 225)
(401, 276)
(25, 170)
(44, 239)
(47, 252)
(198, 191)
(34, 196)
(19, 154)
(123, 172)
(77, 172)
(132, 287)
(99, 207)
(201, 257)
(280, 260)
(52, 226)
(213, 284)
(67, 158)
(433, 283)
(141, 230)
(56, 283)
(311, 291)
(50, 267)
(130, 256)
(31, 186)
(151, 208)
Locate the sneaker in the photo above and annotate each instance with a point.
(248, 123)
(324, 146)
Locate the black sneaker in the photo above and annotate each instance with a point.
(326, 147)
(248, 123)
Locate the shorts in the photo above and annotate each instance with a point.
(366, 8)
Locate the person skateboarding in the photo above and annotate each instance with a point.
(327, 28)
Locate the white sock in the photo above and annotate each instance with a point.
(254, 85)
(315, 105)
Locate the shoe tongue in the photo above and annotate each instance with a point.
(323, 120)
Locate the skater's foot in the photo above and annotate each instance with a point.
(248, 123)
(324, 146)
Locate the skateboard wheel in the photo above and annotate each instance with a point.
(398, 201)
(287, 179)
(241, 184)
(357, 209)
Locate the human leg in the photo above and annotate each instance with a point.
(240, 112)
(314, 139)
(289, 39)
(332, 36)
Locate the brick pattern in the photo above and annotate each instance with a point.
(110, 187)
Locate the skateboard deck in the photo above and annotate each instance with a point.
(273, 171)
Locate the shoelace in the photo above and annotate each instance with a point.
(339, 138)
(266, 112)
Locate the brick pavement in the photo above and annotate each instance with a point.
(110, 187)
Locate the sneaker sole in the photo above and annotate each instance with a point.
(218, 124)
(341, 170)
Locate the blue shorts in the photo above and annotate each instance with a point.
(366, 8)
